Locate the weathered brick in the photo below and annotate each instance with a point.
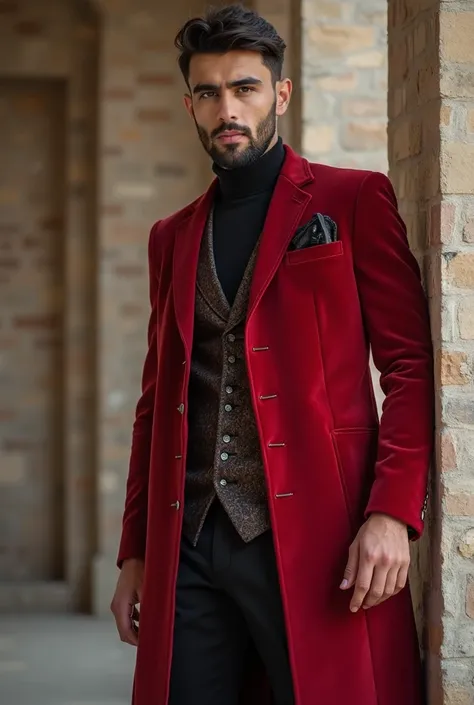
(470, 120)
(466, 319)
(457, 82)
(445, 115)
(337, 40)
(470, 597)
(459, 410)
(447, 453)
(459, 504)
(368, 59)
(319, 139)
(454, 368)
(370, 134)
(441, 223)
(461, 270)
(364, 107)
(466, 544)
(457, 695)
(342, 82)
(325, 9)
(456, 33)
(456, 168)
(406, 141)
(468, 232)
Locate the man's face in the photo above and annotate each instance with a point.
(235, 105)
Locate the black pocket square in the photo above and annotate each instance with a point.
(320, 230)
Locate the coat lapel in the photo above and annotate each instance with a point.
(185, 262)
(207, 280)
(287, 207)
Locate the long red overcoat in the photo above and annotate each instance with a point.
(313, 315)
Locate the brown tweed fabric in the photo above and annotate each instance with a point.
(224, 456)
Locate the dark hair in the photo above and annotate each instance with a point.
(226, 28)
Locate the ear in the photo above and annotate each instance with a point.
(188, 104)
(283, 90)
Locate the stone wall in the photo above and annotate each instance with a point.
(431, 100)
(344, 82)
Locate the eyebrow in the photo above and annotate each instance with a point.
(247, 81)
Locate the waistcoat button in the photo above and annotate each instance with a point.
(223, 482)
(229, 390)
(231, 337)
(231, 359)
(226, 438)
(224, 456)
(228, 407)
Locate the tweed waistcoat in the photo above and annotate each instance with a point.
(223, 455)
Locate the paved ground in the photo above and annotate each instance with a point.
(63, 661)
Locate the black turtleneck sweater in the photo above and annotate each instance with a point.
(242, 199)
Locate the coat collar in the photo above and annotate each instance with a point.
(289, 201)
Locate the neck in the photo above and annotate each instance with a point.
(258, 177)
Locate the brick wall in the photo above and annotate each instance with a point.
(344, 82)
(151, 165)
(41, 45)
(431, 101)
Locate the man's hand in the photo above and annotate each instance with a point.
(128, 593)
(378, 563)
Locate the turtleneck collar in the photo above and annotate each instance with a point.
(249, 180)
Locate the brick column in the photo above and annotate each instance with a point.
(431, 153)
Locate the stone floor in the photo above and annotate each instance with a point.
(63, 661)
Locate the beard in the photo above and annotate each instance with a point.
(233, 156)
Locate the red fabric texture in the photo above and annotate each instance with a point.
(317, 310)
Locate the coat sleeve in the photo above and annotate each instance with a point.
(133, 539)
(396, 316)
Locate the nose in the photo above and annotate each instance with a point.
(227, 109)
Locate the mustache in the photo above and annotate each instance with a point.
(231, 126)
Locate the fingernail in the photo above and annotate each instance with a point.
(354, 609)
(344, 584)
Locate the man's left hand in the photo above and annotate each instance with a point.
(379, 558)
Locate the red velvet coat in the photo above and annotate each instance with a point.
(311, 317)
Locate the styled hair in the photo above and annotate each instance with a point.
(223, 29)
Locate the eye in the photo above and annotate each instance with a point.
(206, 95)
(246, 89)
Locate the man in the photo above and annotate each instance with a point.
(268, 512)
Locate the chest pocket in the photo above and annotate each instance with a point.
(315, 253)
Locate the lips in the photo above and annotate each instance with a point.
(231, 136)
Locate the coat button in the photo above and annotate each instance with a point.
(229, 389)
(228, 407)
(181, 408)
(223, 482)
(226, 438)
(224, 456)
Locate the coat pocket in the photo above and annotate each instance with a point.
(315, 252)
(356, 453)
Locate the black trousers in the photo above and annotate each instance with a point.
(227, 602)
